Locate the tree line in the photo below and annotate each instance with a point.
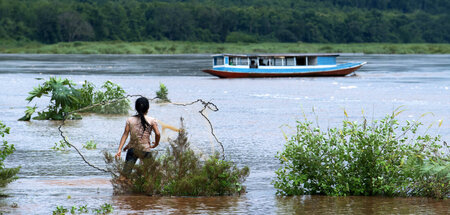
(322, 21)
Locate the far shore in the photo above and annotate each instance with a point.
(185, 47)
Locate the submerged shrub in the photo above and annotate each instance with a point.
(7, 175)
(61, 146)
(30, 111)
(65, 97)
(86, 94)
(180, 172)
(60, 210)
(90, 145)
(163, 93)
(111, 92)
(381, 158)
(103, 209)
(431, 177)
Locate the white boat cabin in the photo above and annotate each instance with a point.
(274, 60)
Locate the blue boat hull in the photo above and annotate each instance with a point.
(338, 70)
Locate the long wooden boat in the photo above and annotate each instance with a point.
(279, 65)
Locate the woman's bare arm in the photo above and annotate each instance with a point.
(157, 135)
(123, 139)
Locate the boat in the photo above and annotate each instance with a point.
(279, 65)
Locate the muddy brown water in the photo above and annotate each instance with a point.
(249, 123)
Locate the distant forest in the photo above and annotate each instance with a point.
(315, 21)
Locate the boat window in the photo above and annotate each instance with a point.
(264, 61)
(218, 61)
(301, 61)
(278, 62)
(253, 62)
(312, 60)
(290, 61)
(232, 61)
(242, 61)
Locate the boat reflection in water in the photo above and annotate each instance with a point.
(279, 65)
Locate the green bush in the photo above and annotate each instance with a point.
(65, 97)
(111, 92)
(60, 210)
(103, 209)
(86, 94)
(180, 172)
(381, 158)
(163, 93)
(90, 145)
(431, 177)
(61, 146)
(7, 175)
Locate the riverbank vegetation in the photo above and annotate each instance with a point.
(382, 157)
(310, 21)
(205, 26)
(7, 175)
(179, 172)
(66, 97)
(184, 47)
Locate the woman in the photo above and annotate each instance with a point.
(139, 127)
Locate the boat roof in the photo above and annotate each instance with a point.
(278, 55)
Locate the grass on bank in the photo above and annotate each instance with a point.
(184, 47)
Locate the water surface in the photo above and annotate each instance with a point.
(249, 123)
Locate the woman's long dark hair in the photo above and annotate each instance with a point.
(141, 107)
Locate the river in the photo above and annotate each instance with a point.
(253, 113)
